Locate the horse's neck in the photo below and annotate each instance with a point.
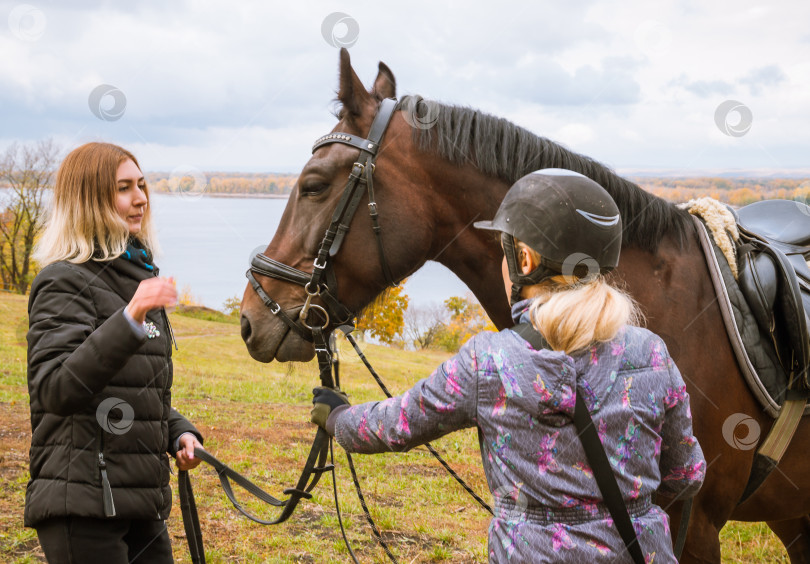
(465, 195)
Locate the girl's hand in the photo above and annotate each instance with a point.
(152, 293)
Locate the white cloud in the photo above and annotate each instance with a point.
(575, 134)
(248, 85)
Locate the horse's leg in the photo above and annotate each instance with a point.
(795, 535)
(783, 500)
(702, 540)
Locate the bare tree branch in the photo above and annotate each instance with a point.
(26, 175)
(423, 324)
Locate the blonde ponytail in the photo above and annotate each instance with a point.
(573, 317)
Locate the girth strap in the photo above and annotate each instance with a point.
(775, 444)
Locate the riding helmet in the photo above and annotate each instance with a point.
(570, 220)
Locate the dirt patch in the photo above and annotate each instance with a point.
(15, 439)
(30, 549)
(284, 424)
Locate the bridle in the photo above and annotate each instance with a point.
(322, 282)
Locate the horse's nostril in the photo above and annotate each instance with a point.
(246, 330)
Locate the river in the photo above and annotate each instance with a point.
(206, 244)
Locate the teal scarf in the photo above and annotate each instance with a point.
(138, 254)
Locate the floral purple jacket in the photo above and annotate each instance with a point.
(548, 507)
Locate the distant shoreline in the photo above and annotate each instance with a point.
(222, 195)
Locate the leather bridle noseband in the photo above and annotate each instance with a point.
(322, 282)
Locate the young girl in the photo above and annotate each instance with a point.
(100, 371)
(560, 234)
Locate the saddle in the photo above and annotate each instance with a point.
(775, 279)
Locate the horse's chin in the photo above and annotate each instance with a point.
(292, 348)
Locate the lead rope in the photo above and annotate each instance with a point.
(329, 363)
(337, 505)
(430, 448)
(371, 522)
(374, 529)
(335, 363)
(336, 367)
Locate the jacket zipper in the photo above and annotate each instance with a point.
(166, 364)
(171, 331)
(168, 351)
(107, 498)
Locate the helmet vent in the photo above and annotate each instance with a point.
(601, 220)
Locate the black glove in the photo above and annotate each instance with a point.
(324, 400)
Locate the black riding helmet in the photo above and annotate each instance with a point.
(570, 220)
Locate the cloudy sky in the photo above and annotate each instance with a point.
(681, 87)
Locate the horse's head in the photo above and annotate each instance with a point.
(357, 268)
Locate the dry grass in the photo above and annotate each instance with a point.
(255, 418)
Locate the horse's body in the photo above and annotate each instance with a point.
(430, 192)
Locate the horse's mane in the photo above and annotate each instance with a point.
(499, 148)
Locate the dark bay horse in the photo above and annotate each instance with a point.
(439, 169)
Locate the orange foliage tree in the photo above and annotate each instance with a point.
(384, 318)
(467, 318)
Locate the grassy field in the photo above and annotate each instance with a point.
(255, 418)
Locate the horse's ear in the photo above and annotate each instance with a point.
(352, 94)
(385, 85)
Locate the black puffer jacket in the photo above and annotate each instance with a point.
(90, 457)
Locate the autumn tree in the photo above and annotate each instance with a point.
(232, 306)
(186, 298)
(384, 318)
(224, 182)
(467, 318)
(26, 174)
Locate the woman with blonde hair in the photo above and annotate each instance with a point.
(100, 370)
(575, 366)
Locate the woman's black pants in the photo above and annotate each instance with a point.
(84, 540)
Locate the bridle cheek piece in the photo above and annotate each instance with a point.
(321, 282)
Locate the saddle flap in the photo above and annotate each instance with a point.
(758, 283)
(800, 266)
(769, 282)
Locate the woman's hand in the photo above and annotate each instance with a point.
(152, 293)
(185, 459)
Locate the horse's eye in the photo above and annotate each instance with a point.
(313, 188)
